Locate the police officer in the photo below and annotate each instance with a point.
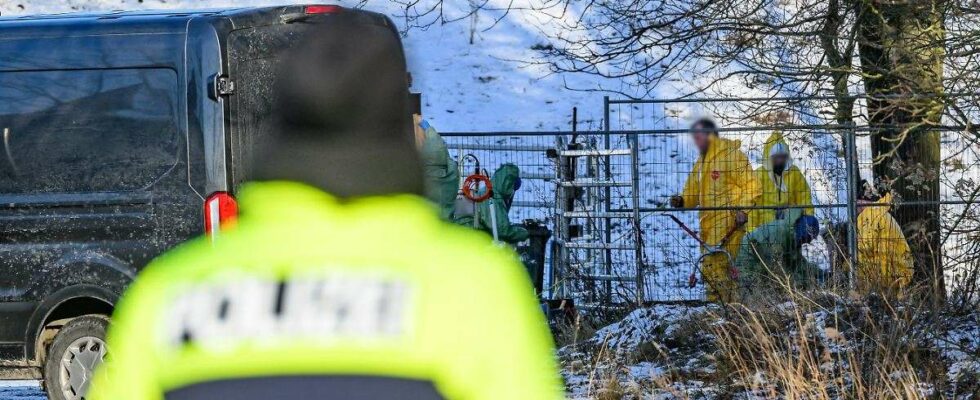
(339, 281)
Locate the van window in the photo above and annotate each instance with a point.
(87, 130)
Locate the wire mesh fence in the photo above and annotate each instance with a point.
(623, 235)
(529, 151)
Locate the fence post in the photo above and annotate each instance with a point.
(561, 272)
(634, 140)
(853, 180)
(607, 198)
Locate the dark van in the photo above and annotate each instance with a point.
(123, 134)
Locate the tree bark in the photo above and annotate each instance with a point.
(901, 46)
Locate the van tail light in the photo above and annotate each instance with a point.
(324, 9)
(220, 213)
(309, 11)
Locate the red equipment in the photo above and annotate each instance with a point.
(471, 185)
(709, 250)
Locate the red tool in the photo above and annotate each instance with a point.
(709, 250)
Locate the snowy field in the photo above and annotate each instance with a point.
(467, 87)
(20, 390)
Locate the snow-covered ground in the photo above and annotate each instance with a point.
(466, 86)
(20, 390)
(672, 352)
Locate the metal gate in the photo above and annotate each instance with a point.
(605, 193)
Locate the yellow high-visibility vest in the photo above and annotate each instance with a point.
(308, 286)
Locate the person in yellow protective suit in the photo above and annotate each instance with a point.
(339, 280)
(721, 178)
(781, 182)
(884, 256)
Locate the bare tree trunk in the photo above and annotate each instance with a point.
(838, 58)
(901, 46)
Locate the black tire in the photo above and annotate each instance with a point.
(89, 328)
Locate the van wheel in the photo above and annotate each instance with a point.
(76, 351)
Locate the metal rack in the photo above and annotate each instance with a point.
(588, 239)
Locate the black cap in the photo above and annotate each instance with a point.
(342, 117)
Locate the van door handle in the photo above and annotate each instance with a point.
(220, 86)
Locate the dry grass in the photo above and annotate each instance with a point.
(575, 331)
(794, 356)
(817, 345)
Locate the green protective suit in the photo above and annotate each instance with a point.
(770, 252)
(441, 172)
(308, 285)
(504, 183)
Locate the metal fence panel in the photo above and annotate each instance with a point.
(648, 141)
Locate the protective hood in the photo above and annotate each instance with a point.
(776, 145)
(504, 182)
(440, 170)
(720, 146)
(887, 199)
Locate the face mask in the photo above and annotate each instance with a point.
(778, 169)
(517, 184)
(779, 160)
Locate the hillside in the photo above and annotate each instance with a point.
(467, 86)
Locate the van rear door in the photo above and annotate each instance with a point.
(254, 57)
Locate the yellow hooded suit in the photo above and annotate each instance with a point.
(722, 177)
(778, 190)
